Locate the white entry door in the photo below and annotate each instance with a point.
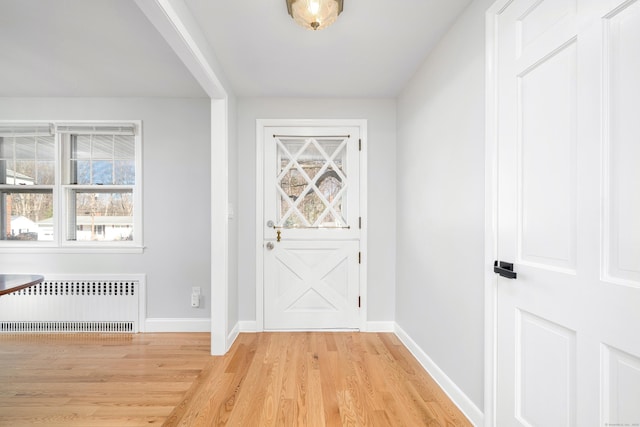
(311, 227)
(568, 149)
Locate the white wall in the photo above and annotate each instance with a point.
(440, 199)
(176, 190)
(381, 116)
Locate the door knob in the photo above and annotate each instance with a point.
(270, 246)
(270, 224)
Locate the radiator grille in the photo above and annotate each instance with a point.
(72, 306)
(59, 287)
(111, 327)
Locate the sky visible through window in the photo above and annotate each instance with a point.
(102, 160)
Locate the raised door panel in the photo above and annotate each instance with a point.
(545, 372)
(547, 158)
(619, 290)
(620, 388)
(622, 146)
(540, 17)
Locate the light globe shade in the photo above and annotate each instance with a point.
(314, 14)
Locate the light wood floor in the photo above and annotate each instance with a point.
(267, 379)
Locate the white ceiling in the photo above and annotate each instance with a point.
(86, 48)
(109, 48)
(373, 48)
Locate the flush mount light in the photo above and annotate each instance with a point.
(314, 14)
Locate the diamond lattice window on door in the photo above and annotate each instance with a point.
(312, 182)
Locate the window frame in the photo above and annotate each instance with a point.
(62, 191)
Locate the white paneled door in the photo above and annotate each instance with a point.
(568, 212)
(311, 227)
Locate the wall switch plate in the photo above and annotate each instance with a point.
(195, 301)
(195, 290)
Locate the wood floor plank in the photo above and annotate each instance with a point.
(328, 365)
(251, 392)
(214, 380)
(267, 379)
(273, 387)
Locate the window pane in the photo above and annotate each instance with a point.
(124, 172)
(81, 147)
(81, 172)
(45, 148)
(6, 172)
(25, 147)
(102, 171)
(102, 216)
(25, 172)
(45, 173)
(311, 160)
(27, 160)
(293, 183)
(102, 147)
(124, 147)
(26, 215)
(102, 159)
(313, 179)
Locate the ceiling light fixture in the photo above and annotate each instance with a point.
(314, 14)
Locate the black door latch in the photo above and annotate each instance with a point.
(505, 269)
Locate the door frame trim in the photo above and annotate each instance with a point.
(261, 124)
(491, 211)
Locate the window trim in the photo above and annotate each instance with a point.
(60, 130)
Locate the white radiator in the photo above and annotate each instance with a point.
(73, 306)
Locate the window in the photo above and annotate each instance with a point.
(70, 184)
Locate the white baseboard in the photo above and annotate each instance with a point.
(177, 325)
(248, 325)
(233, 334)
(251, 326)
(461, 400)
(381, 326)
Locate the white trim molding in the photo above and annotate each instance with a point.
(174, 21)
(233, 334)
(490, 212)
(461, 400)
(220, 343)
(248, 326)
(377, 326)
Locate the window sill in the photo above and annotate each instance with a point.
(71, 250)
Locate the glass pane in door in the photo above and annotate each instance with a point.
(312, 182)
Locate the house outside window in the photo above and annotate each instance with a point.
(71, 184)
